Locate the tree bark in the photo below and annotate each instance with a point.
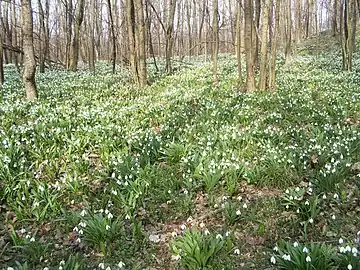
(74, 58)
(215, 42)
(250, 70)
(169, 41)
(28, 47)
(264, 43)
(141, 42)
(113, 35)
(238, 42)
(274, 44)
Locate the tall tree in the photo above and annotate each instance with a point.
(288, 30)
(2, 77)
(141, 42)
(44, 33)
(113, 36)
(274, 44)
(28, 47)
(264, 44)
(74, 57)
(215, 41)
(169, 41)
(250, 69)
(238, 41)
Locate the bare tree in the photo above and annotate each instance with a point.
(215, 41)
(264, 44)
(74, 57)
(250, 69)
(28, 47)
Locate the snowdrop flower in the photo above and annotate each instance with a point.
(308, 259)
(305, 250)
(287, 191)
(286, 257)
(101, 265)
(202, 225)
(341, 241)
(296, 244)
(183, 227)
(245, 206)
(342, 250)
(227, 233)
(307, 203)
(32, 239)
(297, 189)
(9, 268)
(175, 257)
(127, 217)
(349, 267)
(206, 232)
(324, 196)
(333, 217)
(354, 251)
(81, 232)
(238, 212)
(107, 227)
(336, 197)
(237, 251)
(219, 236)
(348, 248)
(174, 234)
(62, 262)
(121, 264)
(273, 260)
(311, 220)
(276, 249)
(110, 216)
(239, 198)
(83, 213)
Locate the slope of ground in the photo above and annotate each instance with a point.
(182, 174)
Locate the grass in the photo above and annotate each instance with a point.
(98, 173)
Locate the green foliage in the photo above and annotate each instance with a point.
(200, 251)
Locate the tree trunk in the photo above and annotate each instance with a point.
(250, 70)
(130, 19)
(264, 43)
(141, 42)
(74, 58)
(69, 32)
(288, 32)
(169, 41)
(215, 41)
(28, 47)
(274, 44)
(113, 35)
(238, 43)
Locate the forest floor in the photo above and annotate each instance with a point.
(98, 174)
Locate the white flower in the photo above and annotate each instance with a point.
(336, 196)
(273, 260)
(296, 244)
(121, 264)
(219, 236)
(276, 249)
(110, 216)
(245, 206)
(286, 257)
(341, 241)
(333, 217)
(108, 268)
(297, 189)
(308, 259)
(237, 251)
(183, 227)
(81, 232)
(342, 250)
(32, 239)
(227, 233)
(9, 268)
(349, 267)
(127, 217)
(206, 232)
(238, 212)
(348, 248)
(287, 191)
(324, 196)
(175, 257)
(239, 198)
(224, 198)
(62, 262)
(307, 203)
(311, 220)
(305, 250)
(101, 265)
(107, 227)
(202, 225)
(83, 213)
(354, 251)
